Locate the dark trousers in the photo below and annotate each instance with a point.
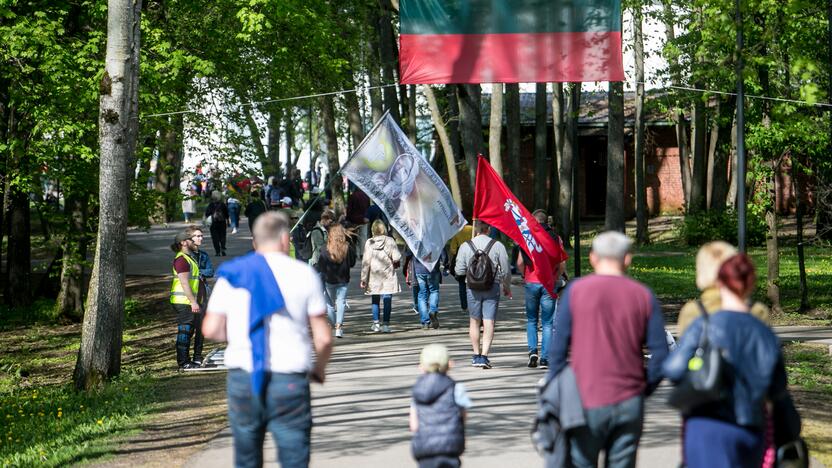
(188, 326)
(439, 461)
(218, 235)
(615, 429)
(463, 294)
(285, 411)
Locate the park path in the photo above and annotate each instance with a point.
(361, 413)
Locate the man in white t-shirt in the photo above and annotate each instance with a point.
(264, 305)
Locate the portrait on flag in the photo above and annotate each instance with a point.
(392, 172)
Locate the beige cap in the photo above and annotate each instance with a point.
(434, 358)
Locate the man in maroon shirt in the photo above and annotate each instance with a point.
(605, 319)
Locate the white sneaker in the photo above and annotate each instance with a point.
(339, 333)
(386, 329)
(376, 327)
(234, 231)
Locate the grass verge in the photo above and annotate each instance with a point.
(810, 381)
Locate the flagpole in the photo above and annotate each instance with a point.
(576, 204)
(332, 177)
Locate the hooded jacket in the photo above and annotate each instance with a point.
(378, 271)
(441, 430)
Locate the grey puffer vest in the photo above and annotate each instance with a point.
(441, 430)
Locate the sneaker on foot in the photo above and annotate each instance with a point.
(339, 333)
(234, 231)
(415, 311)
(486, 364)
(544, 364)
(533, 358)
(475, 360)
(386, 328)
(434, 320)
(425, 326)
(376, 327)
(188, 365)
(197, 362)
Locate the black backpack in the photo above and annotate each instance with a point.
(217, 217)
(481, 270)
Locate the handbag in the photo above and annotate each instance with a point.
(206, 221)
(794, 454)
(704, 381)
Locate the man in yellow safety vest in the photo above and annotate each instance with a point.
(184, 291)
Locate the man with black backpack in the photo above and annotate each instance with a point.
(484, 263)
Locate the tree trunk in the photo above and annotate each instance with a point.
(720, 153)
(4, 165)
(373, 73)
(678, 115)
(495, 128)
(541, 173)
(558, 129)
(453, 122)
(470, 123)
(19, 258)
(642, 233)
(99, 356)
(614, 213)
(271, 160)
(453, 177)
(797, 180)
(70, 305)
(411, 114)
(354, 119)
(335, 180)
(699, 178)
(387, 43)
(513, 134)
(571, 111)
(290, 139)
(168, 168)
(823, 205)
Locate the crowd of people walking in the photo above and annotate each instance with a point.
(596, 331)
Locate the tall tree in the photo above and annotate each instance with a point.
(387, 49)
(513, 134)
(354, 118)
(495, 128)
(678, 114)
(614, 213)
(470, 124)
(335, 179)
(572, 111)
(439, 125)
(642, 233)
(271, 164)
(411, 114)
(541, 172)
(558, 128)
(99, 356)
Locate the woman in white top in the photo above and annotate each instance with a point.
(379, 279)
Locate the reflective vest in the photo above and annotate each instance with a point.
(177, 294)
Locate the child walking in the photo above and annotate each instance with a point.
(437, 413)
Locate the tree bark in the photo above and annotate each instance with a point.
(541, 173)
(271, 159)
(354, 119)
(513, 134)
(411, 114)
(797, 180)
(290, 139)
(387, 43)
(699, 178)
(453, 122)
(495, 128)
(373, 74)
(720, 153)
(19, 259)
(558, 129)
(571, 110)
(70, 305)
(614, 213)
(470, 123)
(99, 356)
(678, 114)
(642, 233)
(453, 177)
(335, 180)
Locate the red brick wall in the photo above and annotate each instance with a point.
(664, 182)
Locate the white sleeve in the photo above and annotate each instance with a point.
(222, 300)
(316, 304)
(461, 397)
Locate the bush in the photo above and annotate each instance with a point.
(707, 226)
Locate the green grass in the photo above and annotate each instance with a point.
(809, 367)
(55, 425)
(810, 381)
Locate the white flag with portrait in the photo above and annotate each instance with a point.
(418, 204)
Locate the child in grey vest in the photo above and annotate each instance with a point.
(437, 413)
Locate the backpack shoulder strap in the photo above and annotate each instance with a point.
(472, 246)
(490, 244)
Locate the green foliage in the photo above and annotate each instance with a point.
(697, 229)
(57, 426)
(809, 367)
(41, 311)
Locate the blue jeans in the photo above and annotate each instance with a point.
(428, 295)
(388, 304)
(234, 215)
(615, 429)
(286, 412)
(415, 288)
(539, 307)
(336, 302)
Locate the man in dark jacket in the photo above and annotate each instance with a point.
(255, 208)
(357, 205)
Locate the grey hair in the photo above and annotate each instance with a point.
(612, 245)
(270, 227)
(216, 195)
(481, 227)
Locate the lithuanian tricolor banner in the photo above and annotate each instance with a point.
(510, 41)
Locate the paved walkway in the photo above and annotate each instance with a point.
(361, 413)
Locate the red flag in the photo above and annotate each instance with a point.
(496, 205)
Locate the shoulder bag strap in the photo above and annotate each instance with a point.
(703, 338)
